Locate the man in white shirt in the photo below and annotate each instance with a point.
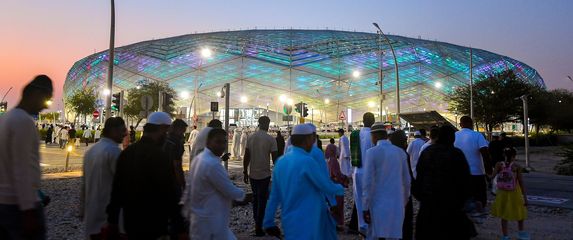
(386, 186)
(97, 134)
(64, 135)
(475, 149)
(192, 136)
(21, 214)
(344, 155)
(99, 166)
(210, 192)
(87, 135)
(415, 147)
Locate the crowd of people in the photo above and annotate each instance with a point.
(141, 191)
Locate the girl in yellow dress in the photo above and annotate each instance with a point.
(510, 200)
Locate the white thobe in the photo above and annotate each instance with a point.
(385, 189)
(236, 143)
(200, 143)
(344, 156)
(426, 145)
(244, 137)
(414, 150)
(192, 136)
(209, 198)
(365, 144)
(287, 145)
(98, 171)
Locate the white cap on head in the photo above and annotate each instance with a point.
(302, 129)
(312, 127)
(159, 118)
(417, 133)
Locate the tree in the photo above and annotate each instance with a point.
(82, 102)
(559, 105)
(495, 97)
(133, 106)
(50, 116)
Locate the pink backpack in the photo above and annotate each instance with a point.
(506, 178)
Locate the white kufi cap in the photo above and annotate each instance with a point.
(159, 118)
(302, 129)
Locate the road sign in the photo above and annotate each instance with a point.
(287, 109)
(341, 116)
(146, 102)
(214, 106)
(96, 114)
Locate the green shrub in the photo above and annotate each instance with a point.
(565, 167)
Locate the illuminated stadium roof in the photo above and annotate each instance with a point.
(308, 65)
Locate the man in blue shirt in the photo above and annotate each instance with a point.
(300, 192)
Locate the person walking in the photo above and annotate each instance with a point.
(72, 136)
(257, 169)
(442, 187)
(143, 186)
(192, 136)
(99, 168)
(510, 199)
(434, 131)
(415, 147)
(200, 141)
(173, 149)
(385, 186)
(280, 144)
(49, 133)
(398, 138)
(336, 176)
(475, 149)
(21, 212)
(236, 146)
(300, 192)
(132, 133)
(87, 136)
(357, 222)
(344, 154)
(97, 134)
(210, 192)
(64, 136)
(243, 142)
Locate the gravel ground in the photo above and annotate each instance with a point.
(62, 221)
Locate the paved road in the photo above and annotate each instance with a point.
(542, 188)
(549, 190)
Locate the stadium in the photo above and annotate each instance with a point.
(331, 71)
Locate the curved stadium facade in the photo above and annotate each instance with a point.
(307, 65)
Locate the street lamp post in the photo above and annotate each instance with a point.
(395, 69)
(110, 64)
(526, 129)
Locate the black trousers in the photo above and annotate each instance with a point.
(260, 188)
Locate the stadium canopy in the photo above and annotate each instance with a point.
(303, 65)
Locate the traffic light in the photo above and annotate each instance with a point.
(298, 108)
(167, 101)
(305, 110)
(3, 107)
(116, 101)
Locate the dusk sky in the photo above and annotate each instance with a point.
(49, 36)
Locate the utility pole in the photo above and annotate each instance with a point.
(227, 102)
(110, 60)
(526, 129)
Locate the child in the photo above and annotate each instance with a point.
(510, 200)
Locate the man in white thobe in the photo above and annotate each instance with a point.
(193, 135)
(365, 144)
(415, 147)
(386, 186)
(201, 141)
(99, 166)
(244, 138)
(210, 192)
(236, 143)
(344, 155)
